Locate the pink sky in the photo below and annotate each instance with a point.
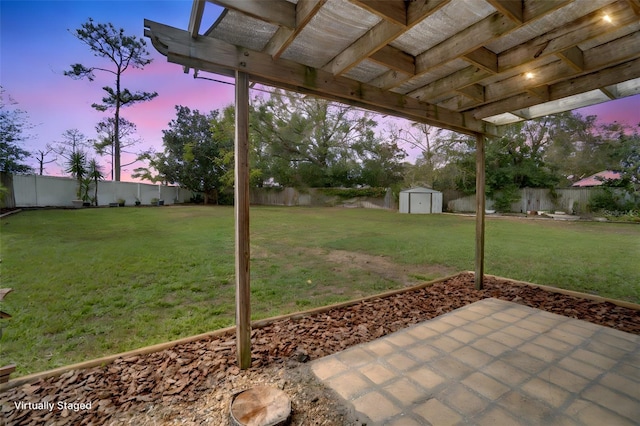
(36, 49)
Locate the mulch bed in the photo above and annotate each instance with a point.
(184, 373)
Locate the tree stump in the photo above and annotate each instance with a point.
(260, 406)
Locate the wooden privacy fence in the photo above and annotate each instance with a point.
(531, 199)
(53, 191)
(314, 197)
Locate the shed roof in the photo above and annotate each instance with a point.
(465, 65)
(420, 189)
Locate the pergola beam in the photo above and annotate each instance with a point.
(389, 10)
(563, 89)
(305, 10)
(419, 9)
(197, 10)
(512, 9)
(469, 42)
(276, 12)
(464, 77)
(465, 42)
(389, 28)
(483, 58)
(474, 92)
(395, 59)
(525, 55)
(211, 54)
(565, 37)
(375, 39)
(574, 62)
(574, 57)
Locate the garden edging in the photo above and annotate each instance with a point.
(31, 378)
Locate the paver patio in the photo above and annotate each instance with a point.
(492, 363)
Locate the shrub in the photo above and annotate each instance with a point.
(3, 192)
(346, 193)
(610, 199)
(502, 200)
(197, 198)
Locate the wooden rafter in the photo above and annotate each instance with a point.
(474, 92)
(197, 10)
(468, 40)
(563, 89)
(374, 40)
(565, 37)
(390, 10)
(512, 9)
(305, 10)
(522, 11)
(610, 91)
(391, 26)
(276, 12)
(573, 57)
(635, 5)
(419, 9)
(595, 59)
(464, 77)
(213, 55)
(523, 57)
(395, 59)
(483, 58)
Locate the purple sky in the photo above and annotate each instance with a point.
(36, 47)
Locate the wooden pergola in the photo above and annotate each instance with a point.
(466, 65)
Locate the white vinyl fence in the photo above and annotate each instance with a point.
(53, 191)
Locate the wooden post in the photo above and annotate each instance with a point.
(243, 291)
(480, 208)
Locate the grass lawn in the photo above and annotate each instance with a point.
(92, 282)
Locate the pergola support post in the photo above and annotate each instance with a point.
(480, 210)
(241, 210)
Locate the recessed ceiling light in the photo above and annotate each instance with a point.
(528, 75)
(607, 19)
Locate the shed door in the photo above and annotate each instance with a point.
(420, 203)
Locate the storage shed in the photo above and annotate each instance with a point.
(420, 201)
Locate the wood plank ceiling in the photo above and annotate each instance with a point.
(465, 65)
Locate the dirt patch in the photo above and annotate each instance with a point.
(383, 266)
(191, 384)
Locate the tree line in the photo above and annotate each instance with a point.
(308, 142)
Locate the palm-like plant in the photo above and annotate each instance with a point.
(95, 175)
(77, 167)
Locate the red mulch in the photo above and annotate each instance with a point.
(183, 373)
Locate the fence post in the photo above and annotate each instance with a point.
(35, 190)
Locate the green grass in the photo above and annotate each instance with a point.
(92, 282)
